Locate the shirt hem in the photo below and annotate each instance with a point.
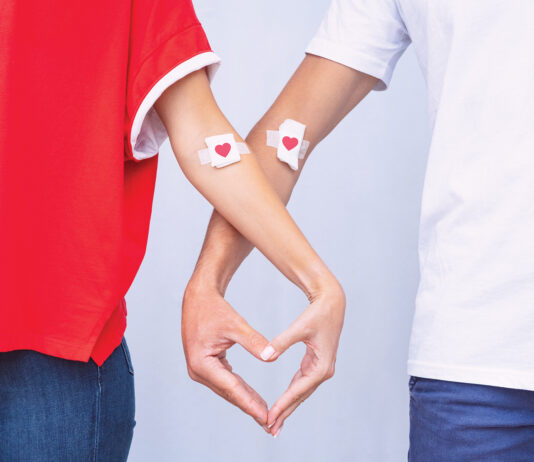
(71, 347)
(52, 347)
(495, 377)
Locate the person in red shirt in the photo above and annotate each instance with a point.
(88, 92)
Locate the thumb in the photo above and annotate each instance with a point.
(250, 339)
(293, 334)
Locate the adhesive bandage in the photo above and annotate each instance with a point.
(222, 150)
(290, 142)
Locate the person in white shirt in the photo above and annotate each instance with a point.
(471, 356)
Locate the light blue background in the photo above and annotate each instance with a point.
(358, 202)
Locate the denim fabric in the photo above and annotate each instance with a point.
(55, 410)
(460, 422)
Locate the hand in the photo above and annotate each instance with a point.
(319, 327)
(210, 326)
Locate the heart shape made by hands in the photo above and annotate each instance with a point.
(289, 143)
(206, 346)
(223, 149)
(297, 391)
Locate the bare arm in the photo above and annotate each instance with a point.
(242, 194)
(320, 94)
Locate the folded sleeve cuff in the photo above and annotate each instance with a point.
(163, 68)
(360, 61)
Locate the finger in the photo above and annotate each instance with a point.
(233, 389)
(249, 338)
(271, 425)
(239, 395)
(279, 423)
(257, 397)
(253, 393)
(226, 364)
(276, 410)
(295, 333)
(275, 435)
(300, 388)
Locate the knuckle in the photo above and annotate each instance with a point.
(249, 404)
(325, 373)
(253, 339)
(194, 368)
(228, 394)
(330, 373)
(256, 339)
(250, 337)
(299, 398)
(192, 373)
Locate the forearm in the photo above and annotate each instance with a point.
(262, 220)
(240, 192)
(224, 247)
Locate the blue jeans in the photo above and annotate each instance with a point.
(461, 422)
(55, 410)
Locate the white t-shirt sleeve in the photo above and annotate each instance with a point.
(367, 35)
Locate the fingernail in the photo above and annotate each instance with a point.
(278, 432)
(267, 353)
(269, 426)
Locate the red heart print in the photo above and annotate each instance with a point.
(223, 149)
(289, 142)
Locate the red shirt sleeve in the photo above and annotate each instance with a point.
(167, 42)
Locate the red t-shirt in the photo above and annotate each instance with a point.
(77, 84)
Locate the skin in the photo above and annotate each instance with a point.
(319, 94)
(245, 198)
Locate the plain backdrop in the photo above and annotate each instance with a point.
(358, 202)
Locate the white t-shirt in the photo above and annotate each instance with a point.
(474, 319)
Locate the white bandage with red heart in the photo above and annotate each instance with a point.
(222, 150)
(290, 142)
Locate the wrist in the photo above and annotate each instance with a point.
(318, 282)
(332, 300)
(207, 281)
